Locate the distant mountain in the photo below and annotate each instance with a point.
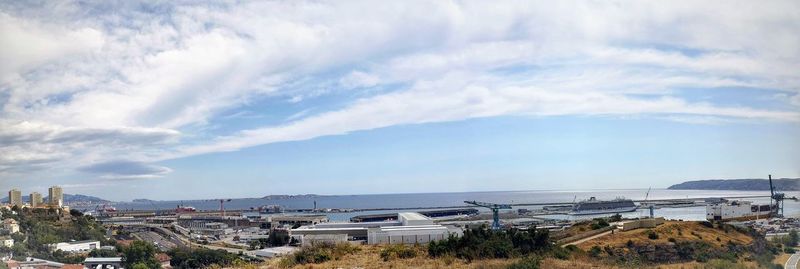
(68, 198)
(286, 196)
(781, 184)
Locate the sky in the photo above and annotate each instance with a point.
(210, 99)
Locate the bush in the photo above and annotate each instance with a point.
(599, 223)
(560, 253)
(398, 251)
(789, 250)
(200, 258)
(652, 235)
(140, 252)
(615, 218)
(793, 238)
(671, 240)
(530, 262)
(595, 251)
(483, 243)
(319, 254)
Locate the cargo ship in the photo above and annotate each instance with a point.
(594, 206)
(738, 210)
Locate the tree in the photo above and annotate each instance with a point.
(140, 265)
(794, 238)
(140, 252)
(75, 213)
(278, 238)
(103, 253)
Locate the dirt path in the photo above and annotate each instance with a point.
(588, 238)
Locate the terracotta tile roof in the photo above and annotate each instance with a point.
(72, 266)
(161, 257)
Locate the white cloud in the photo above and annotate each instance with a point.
(358, 79)
(84, 86)
(27, 44)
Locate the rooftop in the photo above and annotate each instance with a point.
(80, 242)
(412, 216)
(103, 259)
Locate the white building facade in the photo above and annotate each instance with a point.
(77, 246)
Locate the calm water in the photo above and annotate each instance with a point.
(456, 199)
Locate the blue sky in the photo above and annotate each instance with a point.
(182, 101)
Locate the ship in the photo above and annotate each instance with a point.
(594, 206)
(185, 209)
(738, 210)
(106, 209)
(271, 209)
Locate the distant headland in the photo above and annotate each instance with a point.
(750, 184)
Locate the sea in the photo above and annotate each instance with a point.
(455, 199)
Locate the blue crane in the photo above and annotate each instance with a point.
(495, 211)
(778, 197)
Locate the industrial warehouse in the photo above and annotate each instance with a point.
(409, 228)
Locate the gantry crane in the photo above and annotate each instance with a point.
(495, 211)
(778, 197)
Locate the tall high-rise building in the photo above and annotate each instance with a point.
(36, 199)
(15, 197)
(56, 196)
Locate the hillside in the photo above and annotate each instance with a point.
(782, 184)
(68, 198)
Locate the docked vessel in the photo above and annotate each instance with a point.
(594, 206)
(185, 209)
(738, 210)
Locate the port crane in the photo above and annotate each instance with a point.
(222, 205)
(495, 211)
(778, 197)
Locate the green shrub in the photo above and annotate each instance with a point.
(595, 251)
(319, 254)
(560, 253)
(599, 223)
(530, 262)
(652, 235)
(398, 251)
(484, 243)
(200, 258)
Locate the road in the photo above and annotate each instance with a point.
(792, 262)
(162, 243)
(589, 238)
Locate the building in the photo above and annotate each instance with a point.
(296, 220)
(36, 199)
(34, 263)
(56, 196)
(642, 223)
(6, 241)
(205, 227)
(738, 210)
(104, 262)
(408, 228)
(407, 234)
(164, 260)
(15, 198)
(77, 246)
(11, 225)
(275, 251)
